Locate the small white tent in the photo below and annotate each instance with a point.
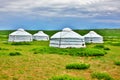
(93, 37)
(67, 38)
(41, 36)
(20, 36)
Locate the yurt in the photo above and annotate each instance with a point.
(67, 39)
(20, 36)
(41, 36)
(93, 37)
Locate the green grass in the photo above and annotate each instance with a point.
(100, 46)
(3, 48)
(40, 62)
(65, 77)
(20, 43)
(117, 63)
(101, 76)
(70, 51)
(115, 43)
(15, 53)
(80, 66)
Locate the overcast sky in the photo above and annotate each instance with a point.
(57, 14)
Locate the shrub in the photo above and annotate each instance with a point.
(65, 77)
(71, 51)
(77, 66)
(115, 43)
(99, 46)
(101, 76)
(3, 48)
(89, 52)
(106, 48)
(117, 63)
(14, 53)
(36, 52)
(20, 43)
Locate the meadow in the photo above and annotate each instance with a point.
(37, 61)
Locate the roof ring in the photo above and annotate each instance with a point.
(40, 31)
(20, 29)
(92, 32)
(67, 29)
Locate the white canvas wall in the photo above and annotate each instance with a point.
(66, 43)
(93, 37)
(67, 38)
(20, 36)
(41, 36)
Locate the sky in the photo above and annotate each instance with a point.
(58, 14)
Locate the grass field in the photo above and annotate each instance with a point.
(43, 66)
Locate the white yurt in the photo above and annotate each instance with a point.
(20, 36)
(41, 36)
(67, 39)
(93, 37)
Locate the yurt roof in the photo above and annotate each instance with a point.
(40, 33)
(20, 31)
(92, 34)
(66, 33)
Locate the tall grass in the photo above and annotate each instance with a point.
(21, 43)
(115, 43)
(65, 77)
(117, 62)
(15, 53)
(3, 48)
(101, 46)
(79, 66)
(71, 51)
(101, 76)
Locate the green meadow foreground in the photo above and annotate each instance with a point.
(36, 61)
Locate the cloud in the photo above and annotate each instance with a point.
(107, 21)
(61, 8)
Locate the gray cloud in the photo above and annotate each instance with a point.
(65, 8)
